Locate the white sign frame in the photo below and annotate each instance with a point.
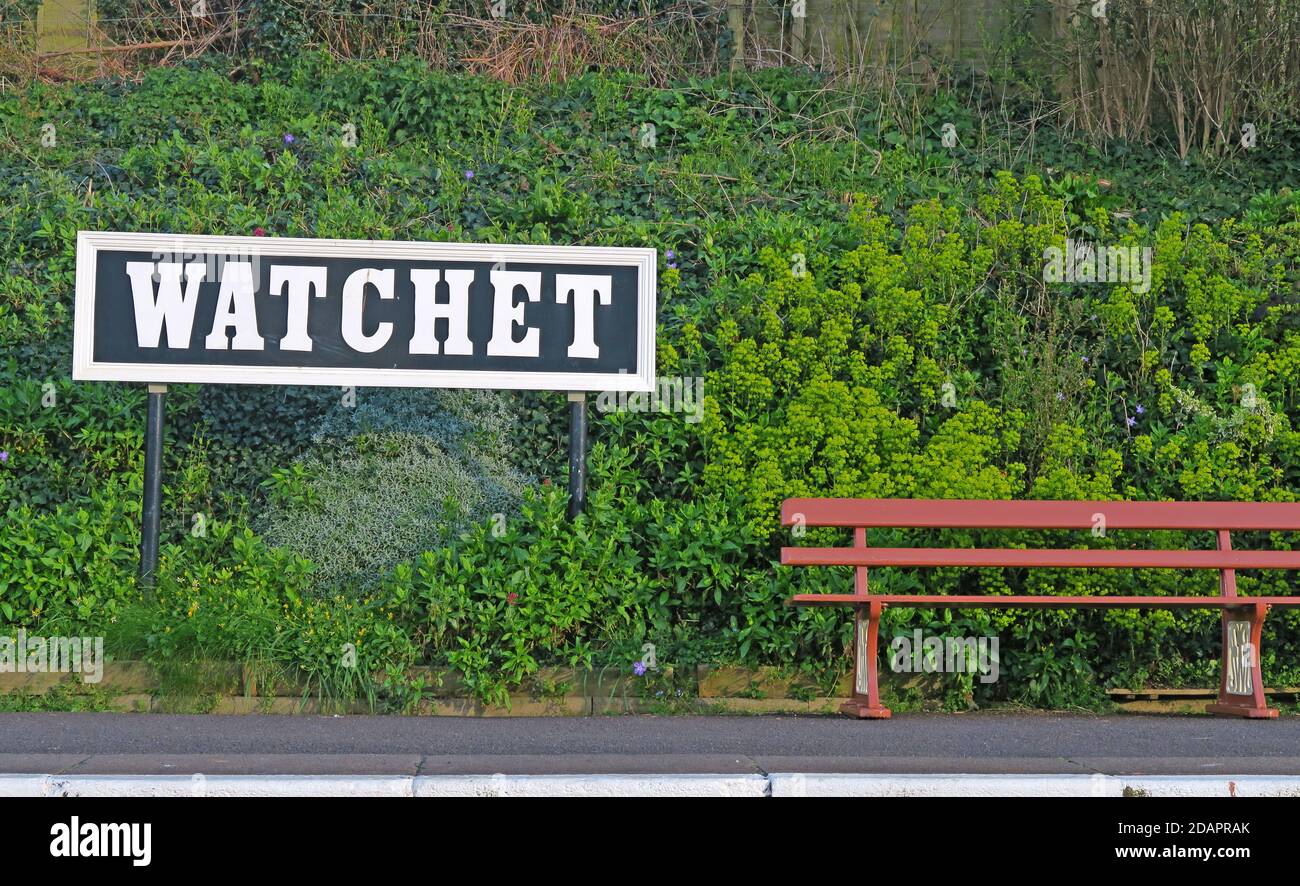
(86, 368)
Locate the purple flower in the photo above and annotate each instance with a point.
(1131, 421)
(670, 255)
(672, 264)
(1086, 360)
(638, 668)
(469, 174)
(1140, 409)
(4, 457)
(1059, 396)
(289, 139)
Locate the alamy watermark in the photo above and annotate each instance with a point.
(920, 654)
(78, 839)
(206, 266)
(1083, 262)
(670, 394)
(51, 655)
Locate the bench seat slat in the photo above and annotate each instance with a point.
(969, 601)
(1013, 557)
(988, 514)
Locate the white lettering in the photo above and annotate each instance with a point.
(428, 309)
(586, 288)
(354, 303)
(235, 307)
(301, 283)
(169, 308)
(506, 315)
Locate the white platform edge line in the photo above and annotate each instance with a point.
(1031, 785)
(88, 785)
(687, 784)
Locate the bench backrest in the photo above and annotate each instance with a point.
(984, 514)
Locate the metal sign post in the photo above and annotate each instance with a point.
(152, 509)
(577, 452)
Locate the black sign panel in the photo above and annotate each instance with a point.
(257, 310)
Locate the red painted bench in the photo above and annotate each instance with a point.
(1241, 688)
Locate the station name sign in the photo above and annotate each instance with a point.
(276, 310)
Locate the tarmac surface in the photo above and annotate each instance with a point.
(983, 743)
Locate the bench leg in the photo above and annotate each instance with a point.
(866, 665)
(1241, 686)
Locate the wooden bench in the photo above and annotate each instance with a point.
(1241, 688)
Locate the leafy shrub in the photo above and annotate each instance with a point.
(75, 562)
(504, 600)
(868, 312)
(230, 597)
(366, 506)
(393, 473)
